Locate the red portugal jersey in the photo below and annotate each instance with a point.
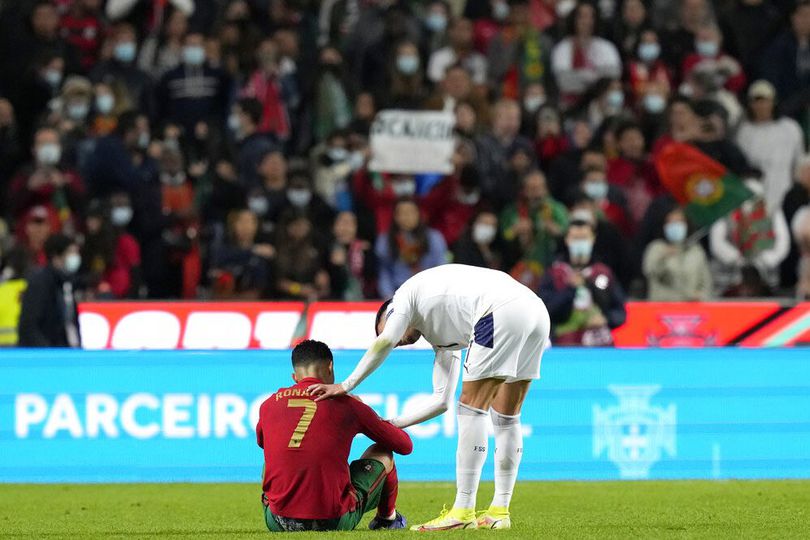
(306, 450)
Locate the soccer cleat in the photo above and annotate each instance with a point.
(399, 522)
(456, 518)
(494, 518)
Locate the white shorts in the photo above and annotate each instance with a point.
(509, 342)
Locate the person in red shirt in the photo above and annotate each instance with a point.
(308, 485)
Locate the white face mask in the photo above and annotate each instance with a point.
(483, 233)
(337, 154)
(436, 22)
(597, 191)
(194, 55)
(49, 154)
(258, 205)
(470, 199)
(78, 111)
(615, 99)
(533, 103)
(407, 64)
(404, 188)
(654, 103)
(500, 10)
(120, 216)
(649, 52)
(143, 140)
(176, 179)
(73, 261)
(675, 231)
(299, 197)
(706, 49)
(580, 250)
(105, 103)
(53, 77)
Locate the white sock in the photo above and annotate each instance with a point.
(508, 451)
(470, 454)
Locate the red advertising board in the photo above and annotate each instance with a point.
(350, 325)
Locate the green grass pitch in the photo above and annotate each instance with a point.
(724, 509)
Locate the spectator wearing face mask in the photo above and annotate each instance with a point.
(647, 68)
(710, 58)
(333, 164)
(405, 88)
(676, 270)
(121, 73)
(301, 199)
(480, 244)
(46, 182)
(532, 228)
(48, 316)
(435, 21)
(111, 256)
(583, 298)
(408, 248)
(582, 57)
(301, 263)
(748, 246)
(352, 264)
(105, 110)
(195, 91)
(608, 199)
(276, 91)
(452, 203)
(251, 145)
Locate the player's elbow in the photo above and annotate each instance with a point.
(406, 447)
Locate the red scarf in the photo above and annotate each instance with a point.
(268, 92)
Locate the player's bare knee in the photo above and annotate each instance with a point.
(378, 453)
(480, 394)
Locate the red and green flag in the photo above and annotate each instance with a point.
(705, 188)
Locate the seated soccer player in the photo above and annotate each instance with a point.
(308, 484)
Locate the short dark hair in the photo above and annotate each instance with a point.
(380, 313)
(252, 108)
(310, 352)
(56, 245)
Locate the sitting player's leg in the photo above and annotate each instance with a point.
(375, 481)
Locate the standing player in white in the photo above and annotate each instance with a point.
(506, 327)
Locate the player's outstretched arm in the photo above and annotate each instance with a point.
(381, 432)
(445, 380)
(394, 329)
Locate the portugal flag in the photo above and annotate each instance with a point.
(705, 188)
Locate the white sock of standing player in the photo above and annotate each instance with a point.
(470, 454)
(508, 451)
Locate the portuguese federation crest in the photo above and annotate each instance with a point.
(634, 433)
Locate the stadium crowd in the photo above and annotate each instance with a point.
(219, 148)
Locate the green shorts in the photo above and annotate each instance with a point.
(367, 476)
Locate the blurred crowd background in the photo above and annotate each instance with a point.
(217, 149)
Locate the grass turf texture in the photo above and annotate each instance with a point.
(725, 509)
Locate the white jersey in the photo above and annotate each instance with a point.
(452, 307)
(444, 303)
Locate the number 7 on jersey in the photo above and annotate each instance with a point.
(300, 430)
